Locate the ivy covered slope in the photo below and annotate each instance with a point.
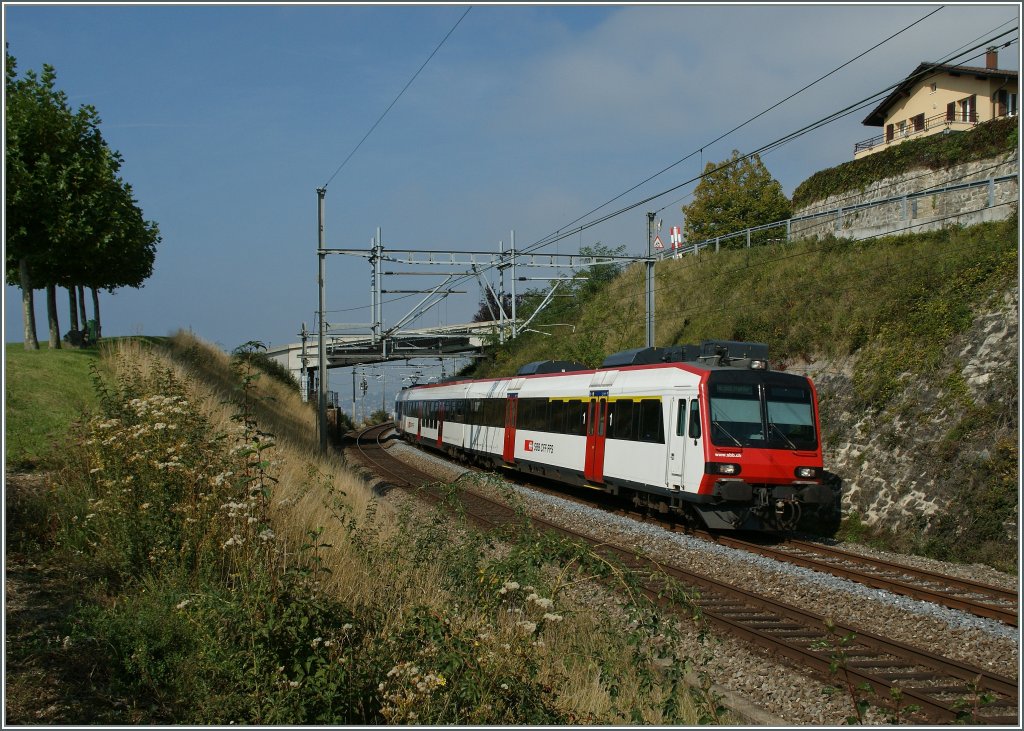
(911, 340)
(935, 152)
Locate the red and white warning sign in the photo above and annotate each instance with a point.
(658, 244)
(676, 237)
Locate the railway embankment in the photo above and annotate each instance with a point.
(911, 339)
(745, 675)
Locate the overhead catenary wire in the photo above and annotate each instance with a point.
(395, 100)
(834, 116)
(700, 150)
(562, 233)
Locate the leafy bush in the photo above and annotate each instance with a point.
(934, 152)
(254, 354)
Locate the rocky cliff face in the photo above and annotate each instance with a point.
(936, 452)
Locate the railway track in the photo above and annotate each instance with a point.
(981, 600)
(373, 449)
(943, 689)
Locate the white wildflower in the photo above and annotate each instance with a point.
(552, 617)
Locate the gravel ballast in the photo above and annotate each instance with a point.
(778, 688)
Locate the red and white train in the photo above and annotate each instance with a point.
(705, 431)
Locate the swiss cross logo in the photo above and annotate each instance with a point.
(528, 445)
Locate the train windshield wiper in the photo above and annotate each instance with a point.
(782, 434)
(726, 432)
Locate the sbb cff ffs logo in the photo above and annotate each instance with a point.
(530, 445)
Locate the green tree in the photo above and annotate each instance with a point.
(732, 195)
(71, 221)
(596, 277)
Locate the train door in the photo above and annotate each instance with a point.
(680, 453)
(686, 444)
(511, 412)
(597, 423)
(420, 414)
(440, 421)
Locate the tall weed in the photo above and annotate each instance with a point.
(241, 581)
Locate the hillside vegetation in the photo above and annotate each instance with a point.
(888, 315)
(200, 564)
(45, 391)
(807, 299)
(935, 152)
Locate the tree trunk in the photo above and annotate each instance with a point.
(73, 304)
(96, 313)
(81, 305)
(28, 307)
(51, 315)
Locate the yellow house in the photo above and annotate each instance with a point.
(941, 98)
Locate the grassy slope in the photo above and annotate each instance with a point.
(46, 390)
(894, 307)
(805, 299)
(392, 571)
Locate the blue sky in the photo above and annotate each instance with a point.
(229, 118)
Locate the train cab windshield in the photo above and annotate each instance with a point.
(762, 414)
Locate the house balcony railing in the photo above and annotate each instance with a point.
(930, 126)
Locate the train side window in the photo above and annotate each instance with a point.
(694, 419)
(652, 428)
(533, 414)
(625, 426)
(578, 418)
(556, 417)
(681, 419)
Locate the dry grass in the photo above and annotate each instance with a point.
(402, 558)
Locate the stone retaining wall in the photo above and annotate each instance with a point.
(913, 212)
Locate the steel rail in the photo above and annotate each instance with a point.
(756, 617)
(897, 578)
(802, 636)
(990, 603)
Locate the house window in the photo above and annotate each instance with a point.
(1006, 103)
(968, 109)
(903, 128)
(918, 122)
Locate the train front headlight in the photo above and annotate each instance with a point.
(807, 473)
(721, 468)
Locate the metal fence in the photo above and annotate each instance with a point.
(782, 231)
